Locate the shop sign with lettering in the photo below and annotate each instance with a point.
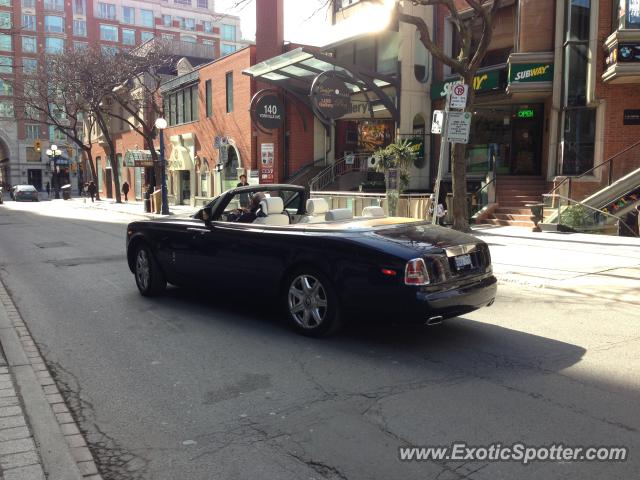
(331, 96)
(530, 72)
(482, 82)
(269, 112)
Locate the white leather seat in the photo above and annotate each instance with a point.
(272, 207)
(338, 214)
(373, 212)
(316, 210)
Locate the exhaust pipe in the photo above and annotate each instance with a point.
(432, 321)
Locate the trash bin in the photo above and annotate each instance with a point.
(147, 203)
(157, 201)
(66, 192)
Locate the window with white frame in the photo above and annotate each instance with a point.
(203, 3)
(146, 36)
(27, 3)
(166, 21)
(79, 7)
(129, 15)
(182, 2)
(189, 24)
(77, 46)
(167, 36)
(207, 26)
(107, 11)
(53, 45)
(128, 36)
(188, 38)
(6, 108)
(29, 44)
(32, 131)
(6, 65)
(53, 24)
(54, 5)
(5, 21)
(29, 66)
(29, 22)
(80, 28)
(108, 33)
(5, 42)
(226, 49)
(229, 33)
(146, 18)
(5, 3)
(6, 88)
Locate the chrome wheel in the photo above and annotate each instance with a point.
(143, 269)
(307, 301)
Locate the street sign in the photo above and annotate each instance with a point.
(459, 125)
(459, 95)
(437, 121)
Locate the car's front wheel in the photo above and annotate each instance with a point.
(311, 303)
(149, 278)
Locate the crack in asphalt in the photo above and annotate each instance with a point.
(328, 472)
(114, 462)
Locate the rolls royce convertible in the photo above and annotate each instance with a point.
(272, 243)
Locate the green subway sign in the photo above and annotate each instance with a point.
(482, 82)
(530, 72)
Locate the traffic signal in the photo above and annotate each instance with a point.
(37, 145)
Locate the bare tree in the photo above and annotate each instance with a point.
(137, 93)
(479, 17)
(50, 96)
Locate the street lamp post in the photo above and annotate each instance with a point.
(54, 153)
(161, 124)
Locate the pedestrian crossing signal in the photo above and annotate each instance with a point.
(37, 145)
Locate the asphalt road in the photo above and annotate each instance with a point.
(192, 386)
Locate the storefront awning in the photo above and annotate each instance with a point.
(295, 72)
(138, 158)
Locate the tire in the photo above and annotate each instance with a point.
(149, 278)
(311, 303)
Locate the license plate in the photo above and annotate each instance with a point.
(463, 261)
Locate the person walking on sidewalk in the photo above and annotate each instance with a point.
(125, 190)
(48, 189)
(92, 190)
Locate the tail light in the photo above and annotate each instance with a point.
(415, 273)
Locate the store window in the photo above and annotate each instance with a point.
(626, 14)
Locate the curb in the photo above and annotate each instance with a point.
(63, 451)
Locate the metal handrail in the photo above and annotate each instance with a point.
(592, 169)
(357, 162)
(606, 214)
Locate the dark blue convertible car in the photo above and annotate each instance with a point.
(323, 266)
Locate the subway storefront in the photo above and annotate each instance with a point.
(508, 128)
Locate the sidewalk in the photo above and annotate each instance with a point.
(134, 207)
(39, 438)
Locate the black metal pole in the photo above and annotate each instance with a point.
(163, 163)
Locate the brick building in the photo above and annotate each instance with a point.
(31, 28)
(556, 97)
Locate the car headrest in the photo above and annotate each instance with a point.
(373, 212)
(338, 214)
(317, 206)
(272, 205)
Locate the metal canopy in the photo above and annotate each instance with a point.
(296, 70)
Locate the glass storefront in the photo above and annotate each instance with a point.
(510, 136)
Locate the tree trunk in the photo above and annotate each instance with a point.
(157, 167)
(92, 168)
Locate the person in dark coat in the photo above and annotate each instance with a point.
(125, 190)
(92, 190)
(48, 189)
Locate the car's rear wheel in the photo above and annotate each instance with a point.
(149, 278)
(311, 303)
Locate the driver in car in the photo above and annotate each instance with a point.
(248, 215)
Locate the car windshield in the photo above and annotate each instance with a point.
(25, 188)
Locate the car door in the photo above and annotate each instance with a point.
(174, 251)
